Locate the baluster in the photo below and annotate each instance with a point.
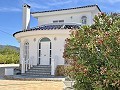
(26, 64)
(23, 65)
(53, 67)
(29, 63)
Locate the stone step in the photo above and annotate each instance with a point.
(38, 73)
(39, 70)
(42, 66)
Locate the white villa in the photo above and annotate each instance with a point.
(43, 46)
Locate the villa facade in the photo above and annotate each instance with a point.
(44, 45)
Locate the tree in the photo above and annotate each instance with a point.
(8, 56)
(93, 53)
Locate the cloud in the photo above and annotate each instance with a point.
(110, 1)
(10, 9)
(113, 1)
(35, 4)
(59, 2)
(42, 4)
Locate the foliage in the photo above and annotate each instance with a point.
(62, 70)
(94, 54)
(8, 56)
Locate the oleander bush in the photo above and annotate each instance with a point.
(62, 70)
(94, 54)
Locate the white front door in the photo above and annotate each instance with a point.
(45, 53)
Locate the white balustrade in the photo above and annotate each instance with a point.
(53, 65)
(23, 66)
(31, 61)
(27, 64)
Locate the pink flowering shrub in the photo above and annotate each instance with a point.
(94, 54)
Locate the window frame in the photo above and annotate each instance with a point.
(58, 21)
(84, 20)
(45, 39)
(26, 50)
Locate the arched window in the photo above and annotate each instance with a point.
(45, 40)
(26, 50)
(84, 20)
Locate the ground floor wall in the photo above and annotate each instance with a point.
(57, 47)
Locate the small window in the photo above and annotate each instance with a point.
(56, 21)
(61, 20)
(84, 20)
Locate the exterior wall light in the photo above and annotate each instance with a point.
(34, 39)
(55, 38)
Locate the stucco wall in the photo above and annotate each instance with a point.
(57, 41)
(75, 17)
(71, 15)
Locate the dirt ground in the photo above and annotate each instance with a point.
(30, 85)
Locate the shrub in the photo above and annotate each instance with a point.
(8, 56)
(62, 70)
(94, 54)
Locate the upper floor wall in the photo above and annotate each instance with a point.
(83, 15)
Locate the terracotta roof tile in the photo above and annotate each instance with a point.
(56, 26)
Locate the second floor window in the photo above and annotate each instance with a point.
(84, 20)
(58, 21)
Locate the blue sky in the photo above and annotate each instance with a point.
(11, 13)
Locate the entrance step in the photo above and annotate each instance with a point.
(39, 70)
(42, 66)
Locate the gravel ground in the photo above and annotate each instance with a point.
(30, 85)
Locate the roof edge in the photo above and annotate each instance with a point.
(95, 5)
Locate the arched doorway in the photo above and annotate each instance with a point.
(44, 51)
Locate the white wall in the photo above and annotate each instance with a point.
(57, 45)
(76, 17)
(76, 14)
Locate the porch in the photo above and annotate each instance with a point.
(28, 69)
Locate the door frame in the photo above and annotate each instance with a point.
(44, 39)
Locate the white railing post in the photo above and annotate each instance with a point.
(53, 67)
(23, 66)
(29, 63)
(26, 65)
